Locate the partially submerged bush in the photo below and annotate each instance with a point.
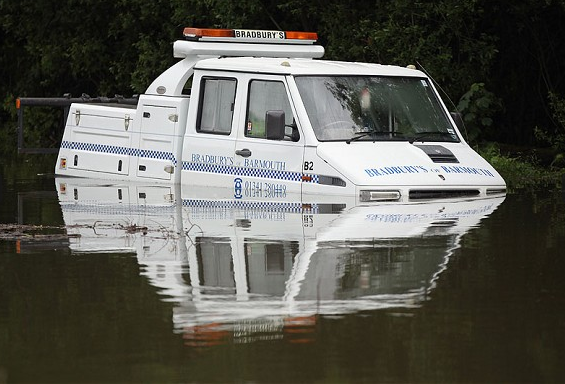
(521, 173)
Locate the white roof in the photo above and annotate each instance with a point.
(282, 59)
(302, 67)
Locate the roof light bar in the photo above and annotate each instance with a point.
(294, 35)
(250, 36)
(196, 33)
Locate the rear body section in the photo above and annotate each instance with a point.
(120, 143)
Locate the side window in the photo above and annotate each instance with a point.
(265, 96)
(217, 98)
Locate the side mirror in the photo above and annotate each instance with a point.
(274, 125)
(458, 119)
(295, 135)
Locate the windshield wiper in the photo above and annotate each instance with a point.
(371, 133)
(427, 135)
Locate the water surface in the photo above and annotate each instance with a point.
(140, 283)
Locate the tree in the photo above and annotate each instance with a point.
(106, 47)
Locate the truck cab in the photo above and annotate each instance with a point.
(258, 113)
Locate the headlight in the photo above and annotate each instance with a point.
(366, 196)
(495, 191)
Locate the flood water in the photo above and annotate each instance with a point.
(148, 283)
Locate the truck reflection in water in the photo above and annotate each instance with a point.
(241, 270)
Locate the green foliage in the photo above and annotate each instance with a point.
(557, 106)
(477, 106)
(444, 38)
(554, 139)
(521, 173)
(513, 50)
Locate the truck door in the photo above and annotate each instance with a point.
(210, 138)
(269, 168)
(157, 142)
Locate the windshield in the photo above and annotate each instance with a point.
(374, 108)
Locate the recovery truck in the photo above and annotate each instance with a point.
(256, 112)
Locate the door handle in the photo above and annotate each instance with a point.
(243, 152)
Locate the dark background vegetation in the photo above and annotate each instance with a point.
(500, 62)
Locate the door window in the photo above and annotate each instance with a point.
(216, 108)
(266, 96)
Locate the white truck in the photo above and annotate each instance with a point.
(253, 111)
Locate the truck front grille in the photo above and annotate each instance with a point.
(422, 194)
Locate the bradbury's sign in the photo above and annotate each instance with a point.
(257, 34)
(406, 169)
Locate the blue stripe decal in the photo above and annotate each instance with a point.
(122, 209)
(116, 150)
(133, 209)
(253, 205)
(245, 172)
(189, 166)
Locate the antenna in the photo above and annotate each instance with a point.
(446, 95)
